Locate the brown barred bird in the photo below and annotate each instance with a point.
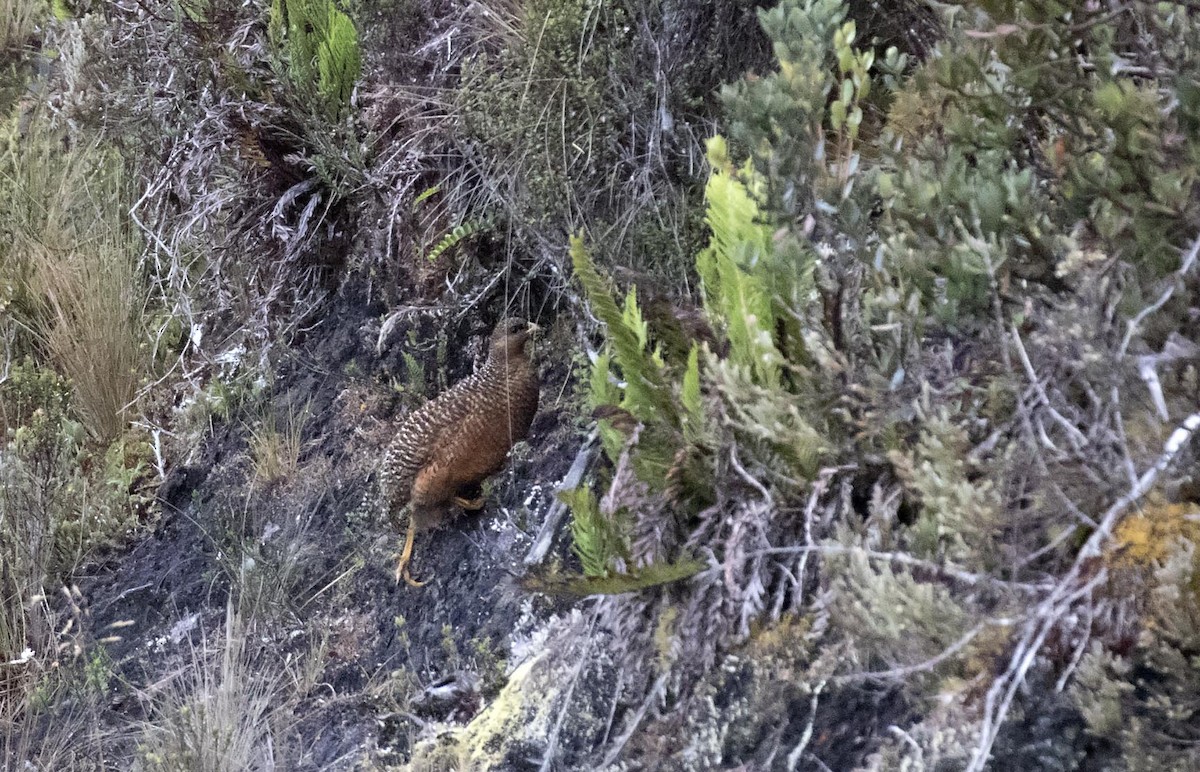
(446, 448)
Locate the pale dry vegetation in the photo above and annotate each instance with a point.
(225, 709)
(886, 360)
(17, 20)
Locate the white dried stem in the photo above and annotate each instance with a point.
(1176, 280)
(1076, 583)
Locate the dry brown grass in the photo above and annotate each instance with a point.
(17, 18)
(73, 261)
(93, 330)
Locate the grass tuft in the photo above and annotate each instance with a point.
(71, 270)
(275, 443)
(224, 712)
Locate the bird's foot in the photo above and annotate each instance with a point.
(471, 505)
(402, 572)
(406, 557)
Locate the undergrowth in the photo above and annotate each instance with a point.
(829, 441)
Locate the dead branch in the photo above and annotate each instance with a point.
(1074, 585)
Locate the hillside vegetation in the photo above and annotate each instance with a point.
(870, 364)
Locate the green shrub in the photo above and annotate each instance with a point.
(906, 378)
(59, 501)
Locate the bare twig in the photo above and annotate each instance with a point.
(904, 559)
(614, 752)
(750, 480)
(1176, 280)
(1074, 584)
(1077, 437)
(793, 758)
(818, 489)
(541, 544)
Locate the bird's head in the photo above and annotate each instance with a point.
(510, 336)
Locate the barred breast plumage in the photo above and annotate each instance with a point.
(446, 448)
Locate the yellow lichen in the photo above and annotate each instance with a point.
(1147, 538)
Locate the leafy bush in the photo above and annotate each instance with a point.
(905, 392)
(52, 514)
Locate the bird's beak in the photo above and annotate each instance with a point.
(531, 328)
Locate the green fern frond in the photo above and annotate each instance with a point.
(320, 47)
(690, 398)
(731, 268)
(339, 61)
(632, 318)
(645, 392)
(595, 539)
(617, 584)
(456, 236)
(601, 388)
(425, 195)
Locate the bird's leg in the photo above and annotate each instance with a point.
(469, 497)
(406, 556)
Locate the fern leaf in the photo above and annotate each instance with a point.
(730, 266)
(456, 236)
(690, 398)
(601, 388)
(424, 195)
(595, 540)
(646, 395)
(339, 61)
(618, 584)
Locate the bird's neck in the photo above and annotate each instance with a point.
(501, 365)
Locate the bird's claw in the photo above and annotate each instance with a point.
(402, 572)
(471, 505)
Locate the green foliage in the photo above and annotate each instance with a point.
(456, 236)
(540, 101)
(635, 580)
(59, 500)
(959, 517)
(753, 281)
(320, 48)
(691, 401)
(276, 442)
(1031, 150)
(644, 392)
(596, 540)
(734, 293)
(17, 19)
(780, 118)
(892, 619)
